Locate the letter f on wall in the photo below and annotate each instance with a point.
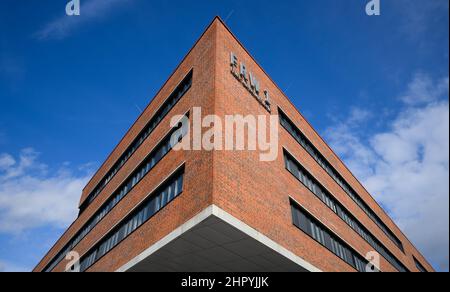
(73, 8)
(373, 8)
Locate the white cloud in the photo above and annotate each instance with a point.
(27, 162)
(406, 167)
(91, 10)
(6, 161)
(424, 90)
(31, 197)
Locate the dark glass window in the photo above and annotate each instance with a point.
(320, 159)
(171, 101)
(419, 266)
(326, 238)
(171, 189)
(328, 199)
(146, 166)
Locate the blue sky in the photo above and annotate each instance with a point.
(375, 87)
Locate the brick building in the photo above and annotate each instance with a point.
(151, 208)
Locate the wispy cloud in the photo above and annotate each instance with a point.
(406, 167)
(32, 197)
(423, 90)
(91, 10)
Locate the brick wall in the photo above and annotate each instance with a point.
(255, 192)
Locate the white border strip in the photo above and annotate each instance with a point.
(215, 211)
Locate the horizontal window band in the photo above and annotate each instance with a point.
(419, 266)
(313, 185)
(168, 191)
(325, 237)
(154, 157)
(160, 114)
(297, 134)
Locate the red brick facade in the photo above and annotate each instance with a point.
(254, 192)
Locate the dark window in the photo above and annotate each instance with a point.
(419, 266)
(146, 166)
(328, 199)
(320, 159)
(326, 238)
(173, 99)
(171, 189)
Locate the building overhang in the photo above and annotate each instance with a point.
(215, 241)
